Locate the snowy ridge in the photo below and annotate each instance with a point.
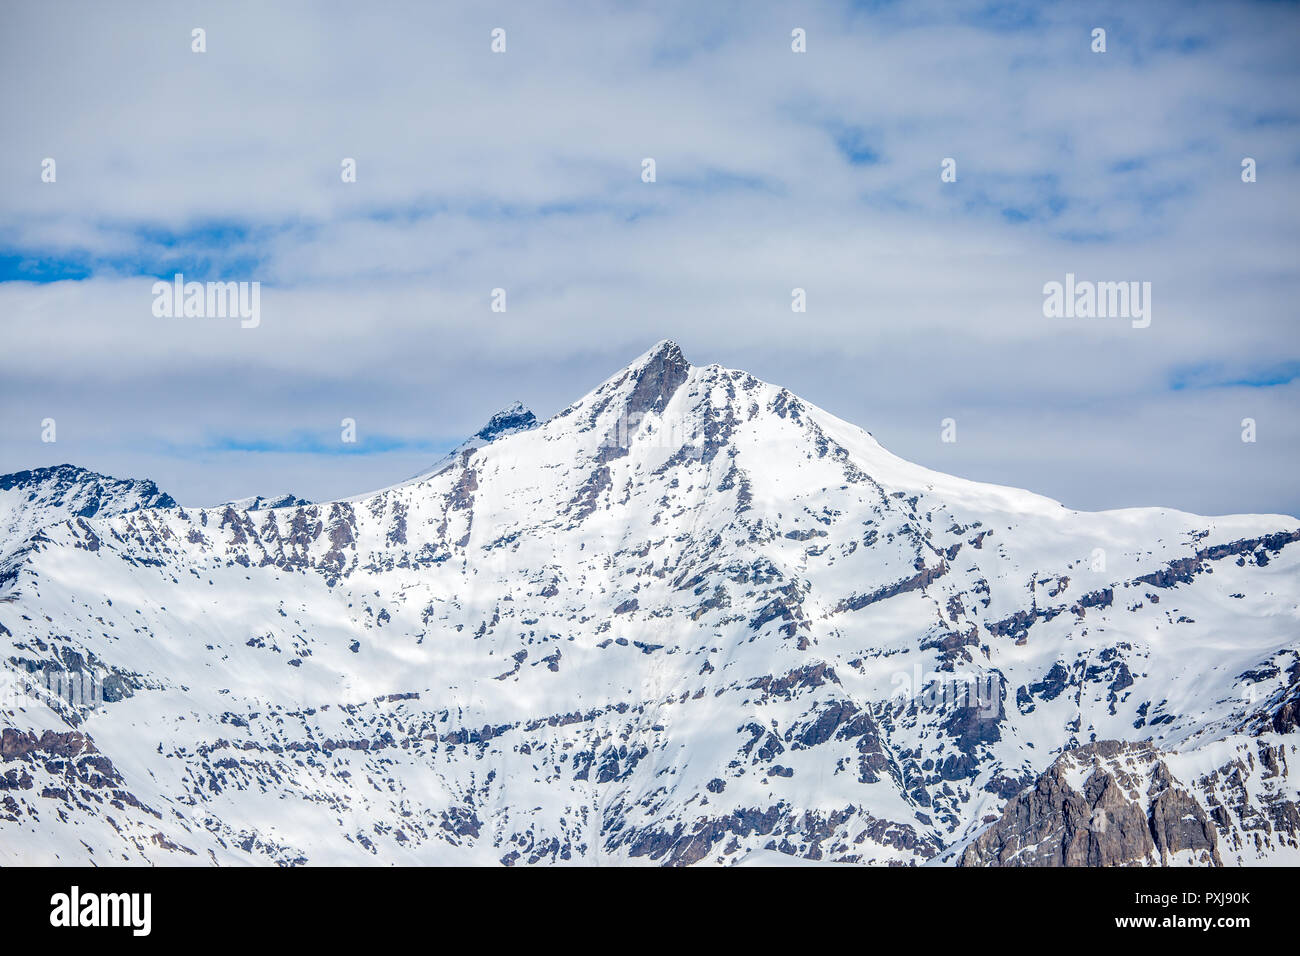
(510, 420)
(260, 503)
(30, 500)
(689, 619)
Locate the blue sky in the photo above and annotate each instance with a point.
(775, 170)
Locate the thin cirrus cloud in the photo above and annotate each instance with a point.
(775, 170)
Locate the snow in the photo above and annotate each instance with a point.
(751, 528)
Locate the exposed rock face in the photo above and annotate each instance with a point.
(516, 418)
(1179, 823)
(657, 379)
(1285, 717)
(15, 744)
(1128, 810)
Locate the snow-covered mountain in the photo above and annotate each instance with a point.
(690, 618)
(30, 500)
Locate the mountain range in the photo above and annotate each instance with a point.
(691, 618)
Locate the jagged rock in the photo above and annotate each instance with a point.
(1104, 822)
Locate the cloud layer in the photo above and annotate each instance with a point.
(775, 170)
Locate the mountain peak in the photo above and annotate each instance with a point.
(658, 373)
(516, 417)
(663, 351)
(33, 499)
(512, 419)
(85, 492)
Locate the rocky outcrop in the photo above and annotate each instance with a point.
(1107, 819)
(657, 379)
(17, 744)
(516, 418)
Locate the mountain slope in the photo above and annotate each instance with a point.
(510, 420)
(30, 500)
(691, 618)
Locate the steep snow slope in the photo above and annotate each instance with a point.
(691, 618)
(510, 420)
